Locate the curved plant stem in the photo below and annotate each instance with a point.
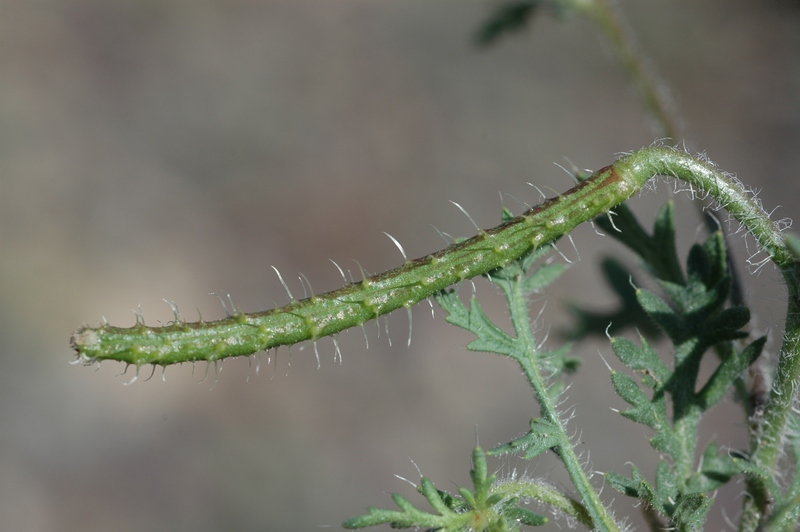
(731, 195)
(546, 495)
(329, 313)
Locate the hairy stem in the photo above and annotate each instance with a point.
(597, 512)
(354, 304)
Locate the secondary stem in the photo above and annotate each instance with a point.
(518, 306)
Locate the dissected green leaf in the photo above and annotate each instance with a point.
(642, 358)
(507, 18)
(666, 491)
(658, 251)
(643, 411)
(479, 509)
(694, 317)
(691, 511)
(636, 486)
(692, 312)
(716, 471)
(726, 373)
(490, 337)
(542, 277)
(662, 314)
(542, 436)
(685, 511)
(526, 517)
(627, 314)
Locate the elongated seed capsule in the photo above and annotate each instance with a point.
(352, 305)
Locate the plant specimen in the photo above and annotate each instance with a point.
(693, 310)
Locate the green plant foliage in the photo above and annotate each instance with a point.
(507, 18)
(687, 509)
(515, 15)
(627, 314)
(695, 318)
(659, 257)
(517, 284)
(480, 509)
(657, 250)
(544, 369)
(717, 469)
(542, 436)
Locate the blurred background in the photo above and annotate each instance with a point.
(158, 149)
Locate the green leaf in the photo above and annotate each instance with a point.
(698, 265)
(644, 411)
(542, 277)
(490, 337)
(507, 18)
(666, 488)
(663, 314)
(641, 359)
(403, 503)
(557, 361)
(627, 314)
(636, 486)
(717, 254)
(657, 251)
(728, 371)
(685, 511)
(691, 511)
(542, 436)
(408, 517)
(669, 268)
(491, 511)
(525, 517)
(439, 502)
(479, 474)
(716, 471)
(725, 326)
